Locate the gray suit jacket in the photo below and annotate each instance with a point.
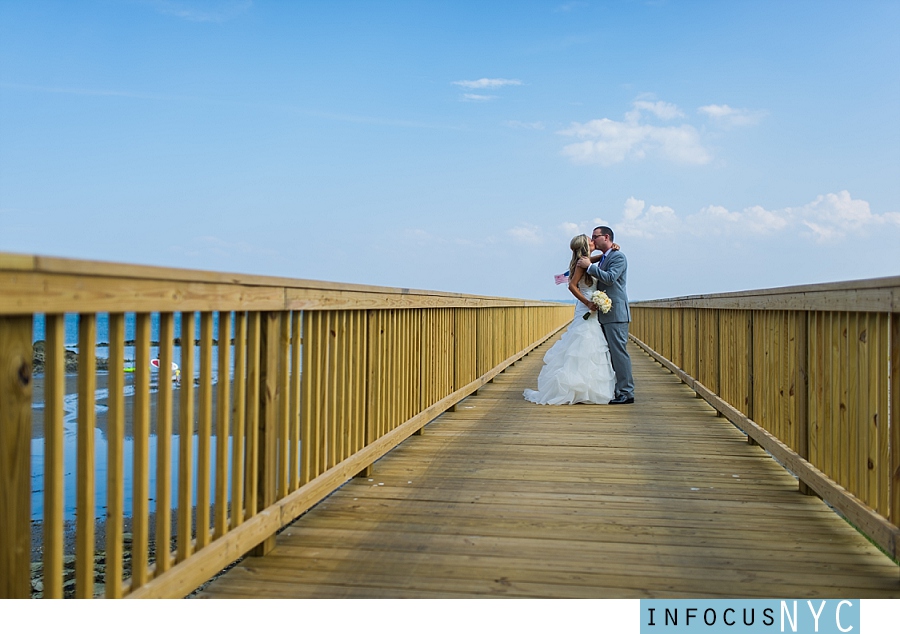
(611, 280)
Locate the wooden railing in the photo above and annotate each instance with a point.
(811, 373)
(316, 381)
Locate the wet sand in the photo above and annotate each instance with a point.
(99, 553)
(37, 414)
(101, 423)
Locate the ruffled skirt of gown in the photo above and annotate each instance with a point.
(577, 368)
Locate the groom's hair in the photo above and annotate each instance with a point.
(606, 231)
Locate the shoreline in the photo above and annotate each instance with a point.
(101, 406)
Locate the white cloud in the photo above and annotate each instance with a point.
(824, 219)
(479, 84)
(633, 209)
(833, 215)
(640, 221)
(472, 97)
(732, 117)
(608, 142)
(569, 230)
(527, 233)
(418, 234)
(661, 109)
(201, 10)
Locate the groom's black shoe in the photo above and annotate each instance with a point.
(621, 400)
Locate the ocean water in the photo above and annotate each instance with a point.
(70, 406)
(71, 327)
(102, 348)
(100, 474)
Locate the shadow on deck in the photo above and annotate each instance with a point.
(506, 498)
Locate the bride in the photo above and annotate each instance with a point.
(577, 368)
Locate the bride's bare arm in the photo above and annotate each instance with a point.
(597, 257)
(573, 288)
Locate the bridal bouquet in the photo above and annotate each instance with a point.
(602, 300)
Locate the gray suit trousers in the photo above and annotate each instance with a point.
(617, 337)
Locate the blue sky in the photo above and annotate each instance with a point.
(456, 145)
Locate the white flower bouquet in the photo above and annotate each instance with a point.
(602, 300)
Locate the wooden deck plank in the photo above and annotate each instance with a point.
(505, 498)
(480, 574)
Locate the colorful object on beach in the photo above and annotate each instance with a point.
(176, 372)
(562, 278)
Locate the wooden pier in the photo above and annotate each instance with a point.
(379, 444)
(503, 498)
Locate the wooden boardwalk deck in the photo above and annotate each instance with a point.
(506, 498)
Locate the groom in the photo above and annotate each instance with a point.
(609, 271)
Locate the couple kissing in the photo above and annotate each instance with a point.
(590, 363)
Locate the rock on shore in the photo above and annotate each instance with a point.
(38, 359)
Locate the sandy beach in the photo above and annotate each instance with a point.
(101, 424)
(37, 413)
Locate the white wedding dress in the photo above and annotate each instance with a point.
(577, 368)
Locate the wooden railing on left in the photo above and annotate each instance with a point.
(288, 388)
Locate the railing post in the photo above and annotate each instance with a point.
(269, 336)
(718, 355)
(894, 423)
(373, 338)
(751, 413)
(15, 457)
(801, 385)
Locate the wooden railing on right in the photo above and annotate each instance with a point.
(811, 373)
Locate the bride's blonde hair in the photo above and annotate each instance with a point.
(581, 248)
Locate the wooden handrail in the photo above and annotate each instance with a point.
(85, 286)
(811, 373)
(872, 295)
(326, 378)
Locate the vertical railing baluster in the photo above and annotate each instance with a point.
(54, 485)
(223, 411)
(85, 516)
(373, 338)
(329, 396)
(318, 438)
(871, 376)
(252, 418)
(115, 469)
(186, 437)
(294, 414)
(361, 370)
(308, 397)
(393, 392)
(413, 336)
(238, 418)
(343, 396)
(164, 404)
(359, 377)
(141, 477)
(893, 423)
(270, 330)
(857, 404)
(204, 429)
(284, 343)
